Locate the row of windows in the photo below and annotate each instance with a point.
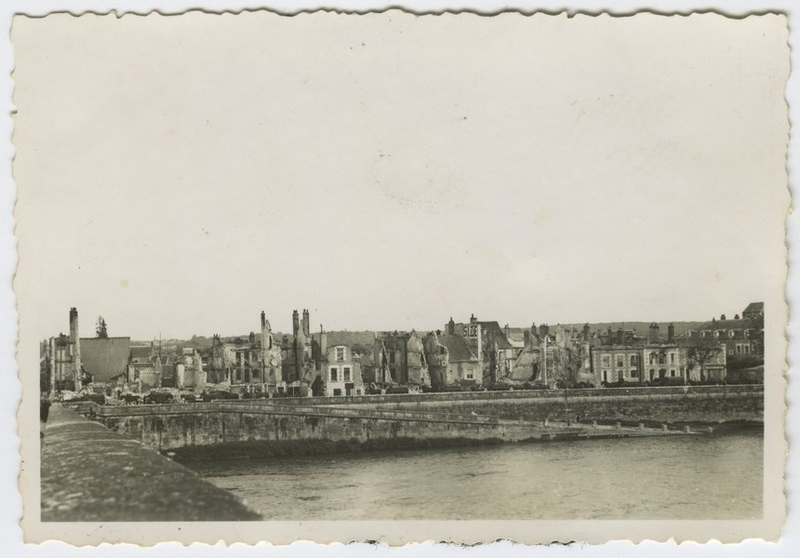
(337, 392)
(620, 360)
(661, 358)
(469, 373)
(343, 375)
(654, 358)
(717, 333)
(608, 375)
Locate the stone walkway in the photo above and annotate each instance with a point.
(92, 474)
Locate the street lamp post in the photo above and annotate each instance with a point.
(545, 361)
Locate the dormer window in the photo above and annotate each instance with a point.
(339, 353)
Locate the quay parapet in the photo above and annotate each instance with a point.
(89, 473)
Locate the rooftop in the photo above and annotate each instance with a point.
(457, 348)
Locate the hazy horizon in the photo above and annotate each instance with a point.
(88, 330)
(181, 176)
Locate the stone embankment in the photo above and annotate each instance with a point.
(681, 404)
(276, 428)
(89, 473)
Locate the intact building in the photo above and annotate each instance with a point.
(741, 336)
(625, 357)
(343, 372)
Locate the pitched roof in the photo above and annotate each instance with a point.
(457, 348)
(349, 338)
(141, 351)
(727, 324)
(105, 358)
(755, 307)
(494, 329)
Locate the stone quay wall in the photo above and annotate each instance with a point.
(504, 416)
(166, 427)
(92, 474)
(690, 404)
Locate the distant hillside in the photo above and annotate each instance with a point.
(642, 328)
(364, 339)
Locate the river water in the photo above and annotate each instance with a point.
(671, 477)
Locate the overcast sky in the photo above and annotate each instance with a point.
(180, 174)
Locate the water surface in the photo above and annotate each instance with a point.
(670, 477)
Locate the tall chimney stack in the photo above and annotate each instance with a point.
(263, 319)
(654, 332)
(295, 322)
(75, 341)
(306, 323)
(586, 332)
(671, 333)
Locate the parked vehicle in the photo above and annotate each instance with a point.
(501, 386)
(667, 381)
(455, 388)
(98, 398)
(131, 399)
(217, 395)
(158, 398)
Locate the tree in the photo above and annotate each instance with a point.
(100, 328)
(318, 387)
(702, 352)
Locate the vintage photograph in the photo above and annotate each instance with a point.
(401, 277)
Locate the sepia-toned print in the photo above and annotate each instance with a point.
(395, 277)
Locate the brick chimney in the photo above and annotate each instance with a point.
(75, 341)
(654, 336)
(295, 322)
